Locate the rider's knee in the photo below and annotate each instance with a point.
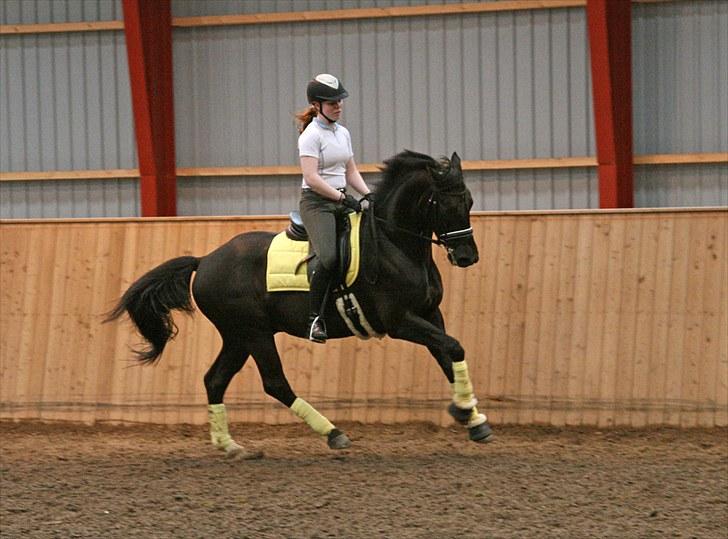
(328, 262)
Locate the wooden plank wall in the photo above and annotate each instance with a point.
(590, 318)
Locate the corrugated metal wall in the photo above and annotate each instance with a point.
(187, 8)
(65, 105)
(680, 89)
(491, 86)
(47, 11)
(491, 190)
(66, 102)
(69, 198)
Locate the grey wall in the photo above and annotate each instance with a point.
(65, 104)
(47, 11)
(69, 198)
(491, 86)
(494, 86)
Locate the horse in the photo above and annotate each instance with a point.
(398, 288)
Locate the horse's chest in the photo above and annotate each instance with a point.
(419, 289)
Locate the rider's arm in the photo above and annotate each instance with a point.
(353, 177)
(309, 167)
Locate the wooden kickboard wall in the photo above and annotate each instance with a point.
(570, 318)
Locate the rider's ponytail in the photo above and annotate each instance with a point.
(305, 117)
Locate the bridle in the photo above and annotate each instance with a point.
(442, 239)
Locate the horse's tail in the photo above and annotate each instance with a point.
(151, 298)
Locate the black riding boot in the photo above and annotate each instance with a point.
(317, 295)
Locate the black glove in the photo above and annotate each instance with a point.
(369, 197)
(350, 202)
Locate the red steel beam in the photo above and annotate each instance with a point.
(610, 45)
(148, 30)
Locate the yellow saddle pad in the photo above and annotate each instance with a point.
(284, 255)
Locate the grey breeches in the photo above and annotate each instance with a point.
(319, 217)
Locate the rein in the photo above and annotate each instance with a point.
(408, 232)
(441, 239)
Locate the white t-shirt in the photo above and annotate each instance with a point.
(331, 145)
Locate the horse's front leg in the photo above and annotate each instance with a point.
(451, 358)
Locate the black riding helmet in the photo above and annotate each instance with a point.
(325, 87)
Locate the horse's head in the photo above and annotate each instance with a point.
(451, 224)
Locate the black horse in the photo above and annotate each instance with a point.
(398, 289)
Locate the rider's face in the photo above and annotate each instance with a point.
(332, 109)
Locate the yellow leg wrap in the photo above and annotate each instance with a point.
(311, 416)
(462, 388)
(219, 433)
(476, 418)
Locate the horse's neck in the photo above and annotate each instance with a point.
(406, 209)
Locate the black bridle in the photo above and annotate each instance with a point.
(442, 239)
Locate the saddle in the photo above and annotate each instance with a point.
(296, 231)
(290, 250)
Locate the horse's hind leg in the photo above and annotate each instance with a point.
(276, 385)
(229, 361)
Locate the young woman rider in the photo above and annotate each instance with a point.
(328, 167)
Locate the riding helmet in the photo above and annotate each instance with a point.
(325, 87)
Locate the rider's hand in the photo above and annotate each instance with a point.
(368, 199)
(350, 202)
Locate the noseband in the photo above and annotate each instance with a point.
(444, 237)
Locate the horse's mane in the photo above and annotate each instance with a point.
(398, 167)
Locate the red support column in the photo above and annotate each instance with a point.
(610, 45)
(148, 30)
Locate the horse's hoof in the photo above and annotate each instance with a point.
(458, 414)
(481, 433)
(338, 440)
(237, 452)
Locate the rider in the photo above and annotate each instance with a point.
(327, 164)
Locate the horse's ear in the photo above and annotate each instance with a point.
(455, 161)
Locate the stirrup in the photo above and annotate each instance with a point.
(317, 330)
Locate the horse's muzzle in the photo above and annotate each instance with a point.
(462, 256)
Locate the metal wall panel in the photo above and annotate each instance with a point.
(52, 11)
(472, 83)
(188, 8)
(69, 198)
(491, 86)
(66, 105)
(670, 186)
(434, 84)
(559, 188)
(263, 195)
(491, 190)
(67, 102)
(680, 65)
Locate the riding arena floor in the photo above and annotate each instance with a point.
(396, 481)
